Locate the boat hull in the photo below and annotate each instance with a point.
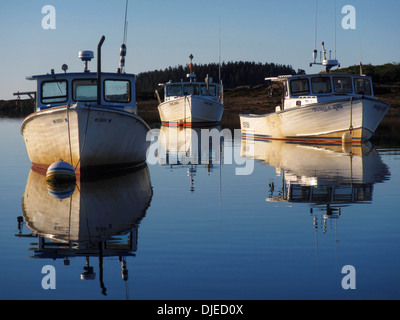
(322, 122)
(87, 137)
(191, 111)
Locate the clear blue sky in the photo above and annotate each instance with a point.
(163, 33)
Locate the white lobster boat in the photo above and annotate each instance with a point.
(325, 107)
(191, 103)
(86, 119)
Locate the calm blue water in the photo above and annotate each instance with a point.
(184, 232)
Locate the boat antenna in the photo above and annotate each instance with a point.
(126, 23)
(221, 90)
(219, 49)
(124, 40)
(335, 28)
(324, 61)
(361, 58)
(315, 52)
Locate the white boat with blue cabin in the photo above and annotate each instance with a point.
(87, 119)
(191, 103)
(320, 108)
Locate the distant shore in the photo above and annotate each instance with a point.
(245, 99)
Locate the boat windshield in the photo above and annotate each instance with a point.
(342, 85)
(299, 87)
(117, 91)
(177, 90)
(321, 85)
(190, 89)
(54, 91)
(84, 90)
(362, 86)
(174, 90)
(212, 90)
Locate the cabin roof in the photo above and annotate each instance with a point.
(331, 74)
(79, 75)
(185, 82)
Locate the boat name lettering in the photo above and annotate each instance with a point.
(102, 120)
(246, 125)
(57, 121)
(336, 107)
(174, 103)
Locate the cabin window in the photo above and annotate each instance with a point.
(174, 91)
(190, 89)
(117, 91)
(342, 85)
(84, 90)
(299, 87)
(212, 90)
(54, 92)
(362, 86)
(321, 85)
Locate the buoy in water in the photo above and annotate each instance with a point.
(347, 138)
(60, 172)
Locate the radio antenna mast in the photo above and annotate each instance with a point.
(315, 32)
(126, 24)
(335, 27)
(328, 63)
(121, 68)
(219, 49)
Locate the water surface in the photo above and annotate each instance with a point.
(177, 231)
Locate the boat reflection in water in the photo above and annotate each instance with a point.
(94, 218)
(190, 148)
(328, 177)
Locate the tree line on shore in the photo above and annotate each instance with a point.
(387, 73)
(233, 74)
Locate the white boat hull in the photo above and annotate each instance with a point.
(190, 111)
(324, 122)
(89, 138)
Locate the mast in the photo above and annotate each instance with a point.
(219, 50)
(324, 61)
(123, 50)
